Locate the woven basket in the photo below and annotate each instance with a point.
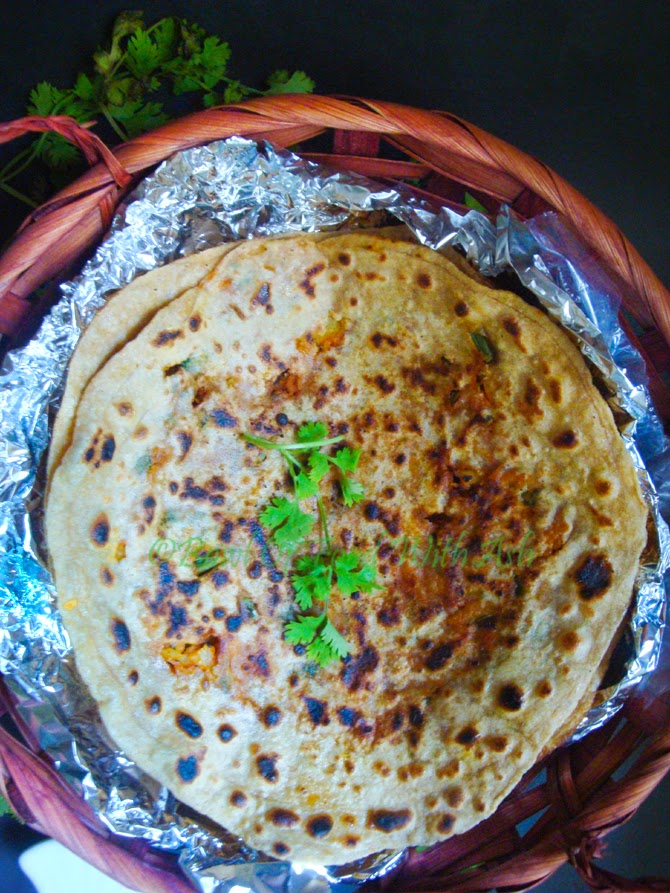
(578, 801)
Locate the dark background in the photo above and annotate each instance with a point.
(582, 84)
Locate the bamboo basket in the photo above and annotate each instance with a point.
(577, 799)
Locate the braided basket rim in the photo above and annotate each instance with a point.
(583, 802)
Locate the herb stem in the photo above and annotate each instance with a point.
(291, 459)
(294, 477)
(307, 445)
(324, 523)
(228, 80)
(316, 573)
(116, 127)
(15, 165)
(18, 195)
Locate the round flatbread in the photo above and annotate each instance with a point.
(118, 321)
(501, 513)
(127, 311)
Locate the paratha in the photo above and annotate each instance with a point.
(501, 509)
(118, 321)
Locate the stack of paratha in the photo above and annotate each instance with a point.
(501, 507)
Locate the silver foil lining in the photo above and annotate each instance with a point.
(230, 190)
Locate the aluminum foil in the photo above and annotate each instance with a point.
(231, 190)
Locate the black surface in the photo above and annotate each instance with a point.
(581, 84)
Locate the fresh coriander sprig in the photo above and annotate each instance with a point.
(314, 576)
(130, 85)
(6, 809)
(310, 438)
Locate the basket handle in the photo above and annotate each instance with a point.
(29, 261)
(76, 218)
(604, 881)
(42, 799)
(91, 146)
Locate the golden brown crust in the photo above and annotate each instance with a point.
(496, 489)
(116, 323)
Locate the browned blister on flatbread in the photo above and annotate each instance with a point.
(501, 509)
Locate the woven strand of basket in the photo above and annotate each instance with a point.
(580, 800)
(66, 226)
(41, 799)
(585, 804)
(579, 803)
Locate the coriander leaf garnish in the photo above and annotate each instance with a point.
(318, 466)
(207, 562)
(471, 202)
(324, 643)
(352, 491)
(288, 522)
(353, 575)
(312, 431)
(346, 459)
(315, 575)
(283, 82)
(304, 443)
(320, 651)
(312, 579)
(6, 809)
(305, 486)
(483, 345)
(335, 641)
(302, 630)
(130, 87)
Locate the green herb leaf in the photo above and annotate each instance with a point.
(201, 66)
(302, 630)
(313, 574)
(5, 808)
(305, 486)
(143, 56)
(311, 431)
(311, 580)
(44, 99)
(471, 202)
(335, 640)
(172, 55)
(483, 345)
(352, 491)
(235, 92)
(346, 459)
(319, 466)
(353, 574)
(283, 82)
(85, 89)
(139, 118)
(321, 652)
(289, 523)
(208, 561)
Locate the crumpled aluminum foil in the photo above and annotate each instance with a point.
(231, 190)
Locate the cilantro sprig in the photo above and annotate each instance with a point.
(315, 576)
(6, 809)
(130, 86)
(311, 437)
